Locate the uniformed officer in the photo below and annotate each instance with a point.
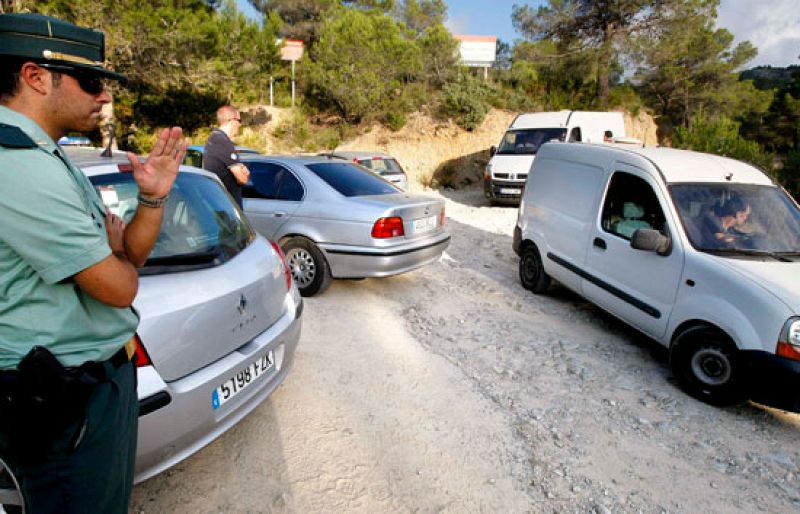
(68, 404)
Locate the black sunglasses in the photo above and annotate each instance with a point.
(90, 82)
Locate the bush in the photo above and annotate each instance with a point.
(466, 101)
(721, 136)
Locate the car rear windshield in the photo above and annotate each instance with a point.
(201, 228)
(528, 141)
(351, 180)
(382, 166)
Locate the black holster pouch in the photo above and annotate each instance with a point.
(40, 400)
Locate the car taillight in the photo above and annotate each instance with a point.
(125, 167)
(286, 271)
(388, 227)
(441, 218)
(140, 357)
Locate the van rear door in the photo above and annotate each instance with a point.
(638, 286)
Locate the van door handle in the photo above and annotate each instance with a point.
(599, 243)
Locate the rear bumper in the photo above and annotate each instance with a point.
(177, 429)
(362, 262)
(775, 380)
(503, 191)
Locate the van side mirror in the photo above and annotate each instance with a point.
(492, 151)
(651, 240)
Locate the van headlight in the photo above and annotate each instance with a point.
(789, 342)
(488, 173)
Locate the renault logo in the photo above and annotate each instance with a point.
(242, 307)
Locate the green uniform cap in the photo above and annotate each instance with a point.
(49, 40)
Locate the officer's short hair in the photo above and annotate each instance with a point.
(9, 76)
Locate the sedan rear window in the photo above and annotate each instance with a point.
(201, 226)
(351, 180)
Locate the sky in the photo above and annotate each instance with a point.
(772, 26)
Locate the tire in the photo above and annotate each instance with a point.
(531, 271)
(709, 367)
(9, 489)
(308, 266)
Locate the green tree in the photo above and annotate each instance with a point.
(439, 55)
(360, 63)
(420, 15)
(690, 67)
(599, 27)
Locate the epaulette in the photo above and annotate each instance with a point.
(13, 137)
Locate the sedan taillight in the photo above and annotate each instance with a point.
(286, 271)
(140, 357)
(441, 218)
(388, 227)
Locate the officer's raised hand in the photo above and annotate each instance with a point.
(157, 174)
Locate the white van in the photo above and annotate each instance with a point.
(699, 252)
(508, 167)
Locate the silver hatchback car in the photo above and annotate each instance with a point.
(220, 315)
(336, 219)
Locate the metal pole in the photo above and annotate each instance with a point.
(292, 83)
(271, 92)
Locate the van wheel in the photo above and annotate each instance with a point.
(708, 366)
(308, 266)
(531, 271)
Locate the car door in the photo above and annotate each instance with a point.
(638, 286)
(271, 196)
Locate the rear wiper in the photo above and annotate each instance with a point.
(184, 259)
(782, 257)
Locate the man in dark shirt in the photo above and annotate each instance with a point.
(220, 155)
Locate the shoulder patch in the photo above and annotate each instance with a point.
(13, 137)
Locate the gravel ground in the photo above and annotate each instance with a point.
(452, 389)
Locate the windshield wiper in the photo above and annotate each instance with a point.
(782, 257)
(184, 259)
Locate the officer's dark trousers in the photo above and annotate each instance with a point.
(89, 468)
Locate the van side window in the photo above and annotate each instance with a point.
(575, 135)
(630, 204)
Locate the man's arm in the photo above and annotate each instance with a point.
(114, 280)
(240, 173)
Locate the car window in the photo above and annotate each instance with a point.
(528, 141)
(273, 182)
(193, 158)
(201, 226)
(630, 204)
(575, 135)
(768, 221)
(351, 180)
(382, 166)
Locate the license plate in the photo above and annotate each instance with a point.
(509, 191)
(241, 380)
(425, 224)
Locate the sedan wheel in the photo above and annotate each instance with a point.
(308, 266)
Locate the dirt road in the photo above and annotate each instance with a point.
(452, 389)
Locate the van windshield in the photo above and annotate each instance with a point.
(739, 218)
(528, 141)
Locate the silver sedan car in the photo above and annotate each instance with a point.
(381, 164)
(220, 315)
(335, 219)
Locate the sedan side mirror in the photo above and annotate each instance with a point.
(492, 151)
(651, 240)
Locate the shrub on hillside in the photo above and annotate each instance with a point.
(466, 101)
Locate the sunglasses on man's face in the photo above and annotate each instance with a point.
(91, 83)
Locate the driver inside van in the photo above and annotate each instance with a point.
(726, 222)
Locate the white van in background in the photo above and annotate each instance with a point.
(510, 162)
(699, 252)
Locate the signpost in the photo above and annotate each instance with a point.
(478, 52)
(291, 50)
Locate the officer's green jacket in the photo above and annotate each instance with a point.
(52, 225)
